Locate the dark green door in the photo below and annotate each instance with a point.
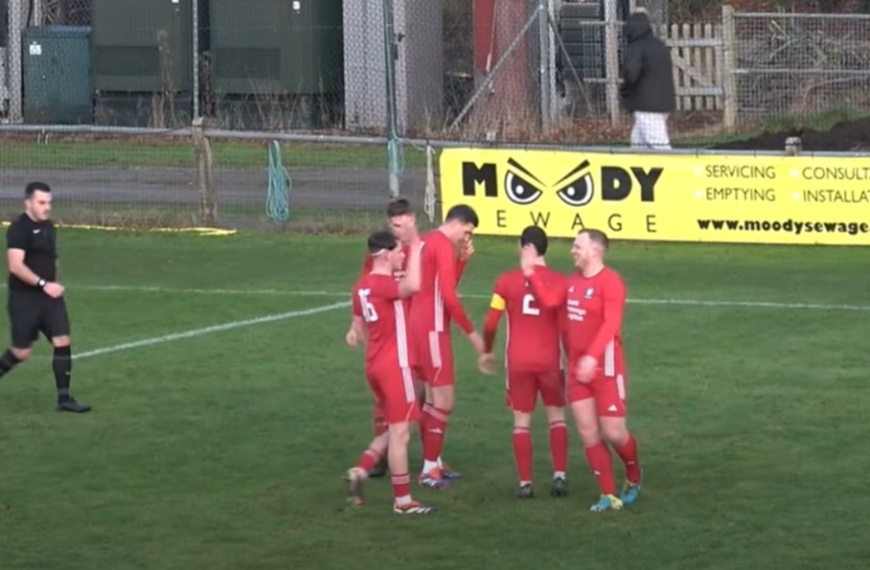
(58, 83)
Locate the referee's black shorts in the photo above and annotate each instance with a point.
(32, 312)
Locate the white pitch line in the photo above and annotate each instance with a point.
(209, 330)
(298, 293)
(752, 304)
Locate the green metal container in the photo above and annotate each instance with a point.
(281, 47)
(143, 45)
(58, 84)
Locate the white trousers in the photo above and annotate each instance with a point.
(650, 131)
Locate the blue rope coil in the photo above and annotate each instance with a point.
(396, 155)
(280, 185)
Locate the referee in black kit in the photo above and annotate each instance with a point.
(36, 302)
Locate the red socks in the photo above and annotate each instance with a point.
(523, 452)
(368, 460)
(401, 485)
(558, 449)
(599, 460)
(433, 426)
(628, 454)
(559, 446)
(424, 424)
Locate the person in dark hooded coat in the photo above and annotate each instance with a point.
(647, 90)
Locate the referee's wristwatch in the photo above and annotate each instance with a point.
(41, 283)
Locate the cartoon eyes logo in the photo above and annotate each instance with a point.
(574, 189)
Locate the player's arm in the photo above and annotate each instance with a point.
(548, 295)
(614, 307)
(466, 250)
(563, 329)
(461, 264)
(411, 282)
(16, 244)
(497, 306)
(359, 329)
(446, 264)
(356, 332)
(367, 268)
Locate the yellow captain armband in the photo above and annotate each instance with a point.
(497, 302)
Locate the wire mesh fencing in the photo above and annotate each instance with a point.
(214, 178)
(61, 12)
(801, 67)
(491, 70)
(445, 68)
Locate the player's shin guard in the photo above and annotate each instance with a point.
(628, 453)
(62, 366)
(368, 460)
(435, 425)
(559, 446)
(523, 453)
(7, 362)
(601, 463)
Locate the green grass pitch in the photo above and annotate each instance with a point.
(225, 449)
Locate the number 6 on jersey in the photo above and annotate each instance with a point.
(369, 313)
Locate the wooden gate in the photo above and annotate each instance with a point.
(698, 55)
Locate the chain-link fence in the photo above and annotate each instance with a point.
(801, 66)
(506, 68)
(229, 179)
(62, 12)
(494, 70)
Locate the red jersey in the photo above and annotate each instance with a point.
(594, 315)
(533, 329)
(376, 299)
(437, 303)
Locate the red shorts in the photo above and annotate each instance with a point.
(393, 389)
(523, 389)
(434, 358)
(608, 389)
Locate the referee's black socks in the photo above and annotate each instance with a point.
(62, 365)
(7, 362)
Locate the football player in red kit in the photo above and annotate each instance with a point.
(403, 224)
(380, 318)
(594, 303)
(532, 356)
(433, 310)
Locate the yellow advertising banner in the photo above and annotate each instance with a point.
(703, 198)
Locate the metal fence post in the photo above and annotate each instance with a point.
(729, 37)
(390, 70)
(611, 51)
(16, 13)
(545, 59)
(195, 42)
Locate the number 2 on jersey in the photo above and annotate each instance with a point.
(369, 313)
(528, 306)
